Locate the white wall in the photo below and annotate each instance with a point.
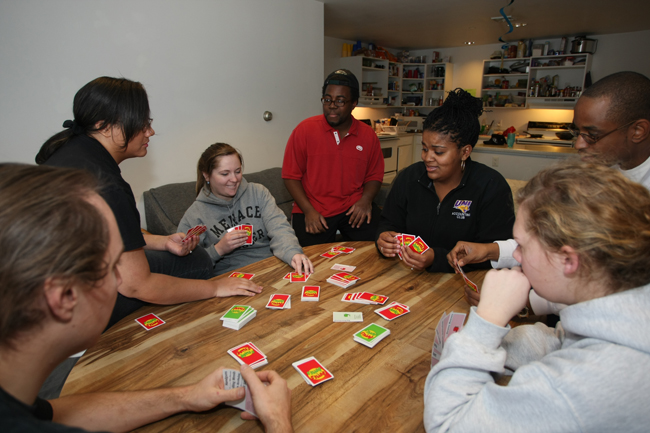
(210, 67)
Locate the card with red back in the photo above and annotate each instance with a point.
(234, 228)
(287, 277)
(241, 275)
(418, 246)
(295, 277)
(312, 371)
(347, 297)
(150, 321)
(195, 231)
(346, 268)
(408, 239)
(455, 324)
(393, 311)
(345, 277)
(277, 301)
(246, 353)
(344, 250)
(310, 293)
(330, 254)
(467, 280)
(371, 297)
(249, 230)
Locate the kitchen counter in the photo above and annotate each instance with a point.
(541, 150)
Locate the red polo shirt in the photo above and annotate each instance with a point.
(332, 174)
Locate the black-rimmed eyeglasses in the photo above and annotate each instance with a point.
(590, 139)
(337, 102)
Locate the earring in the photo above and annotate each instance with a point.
(207, 182)
(462, 166)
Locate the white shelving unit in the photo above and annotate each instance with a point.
(372, 74)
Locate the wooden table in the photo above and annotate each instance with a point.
(379, 389)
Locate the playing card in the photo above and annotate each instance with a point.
(248, 353)
(150, 321)
(371, 335)
(233, 379)
(330, 254)
(347, 317)
(347, 297)
(455, 324)
(312, 371)
(195, 231)
(236, 312)
(392, 311)
(467, 280)
(346, 268)
(372, 298)
(344, 250)
(241, 275)
(345, 277)
(287, 277)
(295, 277)
(418, 246)
(279, 302)
(249, 230)
(310, 293)
(234, 228)
(407, 239)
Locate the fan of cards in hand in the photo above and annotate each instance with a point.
(195, 231)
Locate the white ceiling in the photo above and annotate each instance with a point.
(417, 24)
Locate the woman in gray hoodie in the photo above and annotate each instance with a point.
(226, 200)
(584, 240)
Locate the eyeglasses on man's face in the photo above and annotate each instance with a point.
(337, 102)
(590, 139)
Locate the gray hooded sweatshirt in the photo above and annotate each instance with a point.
(253, 204)
(589, 374)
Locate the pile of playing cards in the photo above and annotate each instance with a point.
(312, 371)
(337, 250)
(195, 231)
(238, 316)
(448, 324)
(371, 335)
(233, 379)
(343, 279)
(248, 353)
(279, 302)
(295, 277)
(467, 280)
(393, 310)
(310, 293)
(415, 243)
(248, 228)
(340, 267)
(348, 317)
(364, 298)
(241, 275)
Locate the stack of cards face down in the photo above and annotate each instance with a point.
(310, 293)
(279, 302)
(415, 243)
(371, 335)
(249, 354)
(337, 250)
(238, 316)
(448, 324)
(248, 228)
(295, 277)
(343, 279)
(364, 298)
(393, 310)
(233, 379)
(312, 371)
(195, 231)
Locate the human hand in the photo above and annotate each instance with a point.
(504, 293)
(469, 252)
(231, 241)
(174, 244)
(300, 263)
(388, 245)
(360, 211)
(471, 296)
(418, 262)
(272, 403)
(315, 222)
(209, 392)
(235, 286)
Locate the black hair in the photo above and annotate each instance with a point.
(628, 93)
(458, 118)
(102, 103)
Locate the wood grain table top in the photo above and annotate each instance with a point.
(379, 389)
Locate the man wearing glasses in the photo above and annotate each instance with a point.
(611, 121)
(333, 168)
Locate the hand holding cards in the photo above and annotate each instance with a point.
(448, 324)
(248, 228)
(233, 379)
(467, 280)
(195, 231)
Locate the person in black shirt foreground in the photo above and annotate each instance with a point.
(59, 277)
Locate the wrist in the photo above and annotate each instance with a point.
(493, 252)
(489, 316)
(279, 426)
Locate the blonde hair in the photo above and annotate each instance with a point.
(210, 159)
(597, 211)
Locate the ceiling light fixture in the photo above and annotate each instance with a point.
(470, 43)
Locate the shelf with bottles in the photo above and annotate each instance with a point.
(372, 75)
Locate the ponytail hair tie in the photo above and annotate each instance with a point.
(74, 127)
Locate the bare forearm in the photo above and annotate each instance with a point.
(370, 190)
(298, 193)
(119, 411)
(155, 242)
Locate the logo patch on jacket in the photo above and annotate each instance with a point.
(463, 207)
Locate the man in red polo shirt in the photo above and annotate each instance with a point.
(333, 167)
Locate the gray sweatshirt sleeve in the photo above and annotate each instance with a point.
(192, 218)
(460, 394)
(284, 243)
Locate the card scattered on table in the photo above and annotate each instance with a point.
(295, 277)
(249, 354)
(279, 302)
(365, 298)
(248, 228)
(467, 280)
(312, 371)
(346, 268)
(371, 335)
(344, 250)
(330, 254)
(343, 279)
(348, 316)
(310, 293)
(233, 379)
(393, 310)
(241, 275)
(150, 321)
(448, 324)
(195, 231)
(238, 316)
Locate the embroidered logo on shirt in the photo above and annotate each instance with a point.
(359, 148)
(463, 207)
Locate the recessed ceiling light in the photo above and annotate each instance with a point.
(470, 43)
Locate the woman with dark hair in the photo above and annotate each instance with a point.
(112, 123)
(225, 200)
(447, 197)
